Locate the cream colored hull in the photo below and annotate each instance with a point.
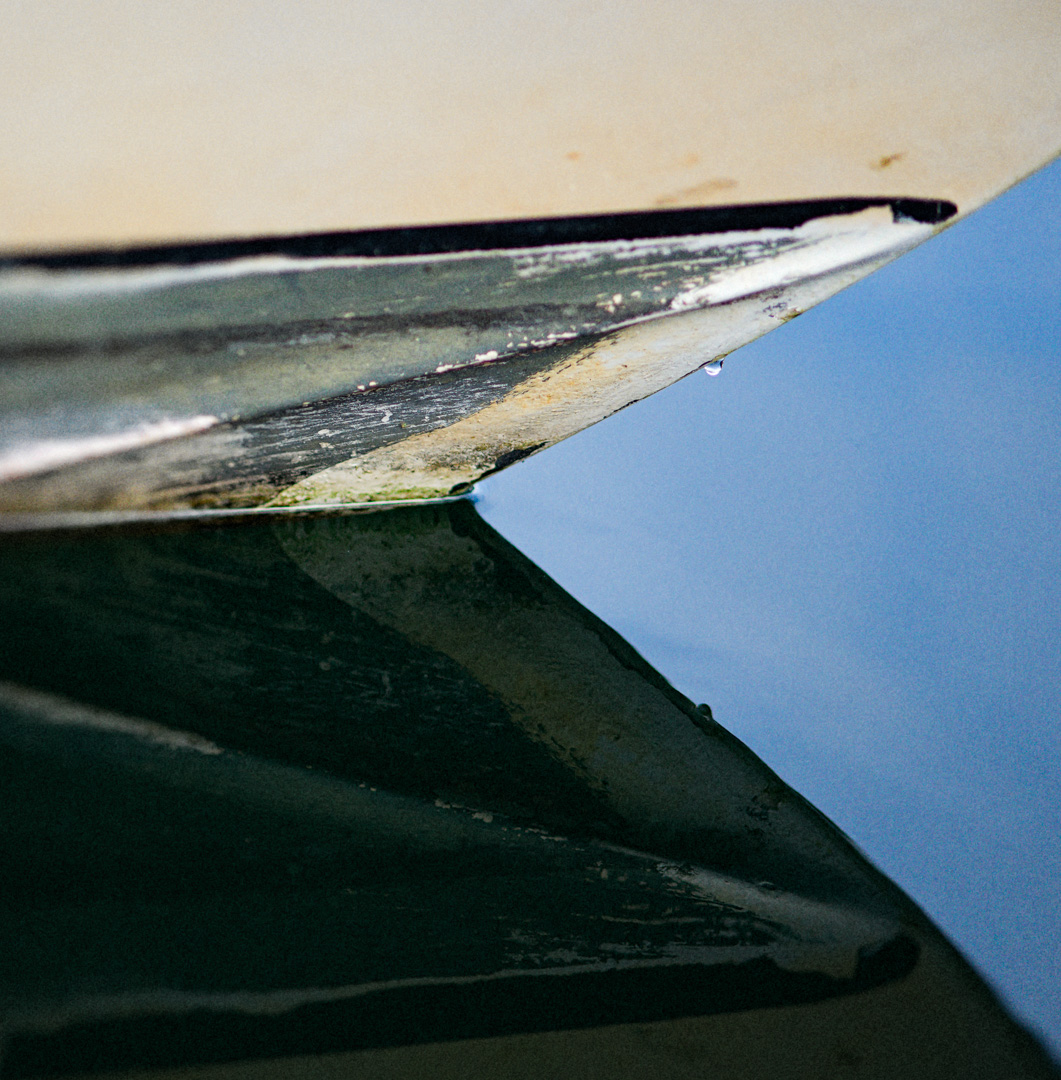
(127, 122)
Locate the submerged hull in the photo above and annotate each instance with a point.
(369, 795)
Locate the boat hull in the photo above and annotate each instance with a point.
(388, 366)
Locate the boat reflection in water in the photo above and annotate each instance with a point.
(370, 794)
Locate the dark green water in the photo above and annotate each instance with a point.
(334, 783)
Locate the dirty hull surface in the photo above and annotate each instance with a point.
(390, 365)
(353, 115)
(373, 786)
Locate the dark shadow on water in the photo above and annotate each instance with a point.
(343, 783)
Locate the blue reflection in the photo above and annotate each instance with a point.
(850, 546)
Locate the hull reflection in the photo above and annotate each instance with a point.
(371, 793)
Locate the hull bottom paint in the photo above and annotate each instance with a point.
(394, 365)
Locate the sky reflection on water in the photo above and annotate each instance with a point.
(849, 545)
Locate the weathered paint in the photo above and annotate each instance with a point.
(590, 382)
(359, 378)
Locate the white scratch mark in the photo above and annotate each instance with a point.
(47, 454)
(61, 712)
(824, 246)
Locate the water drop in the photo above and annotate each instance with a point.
(712, 367)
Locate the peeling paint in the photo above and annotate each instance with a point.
(845, 242)
(585, 385)
(251, 351)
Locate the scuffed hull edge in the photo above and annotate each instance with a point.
(445, 367)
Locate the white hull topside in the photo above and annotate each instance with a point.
(127, 122)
